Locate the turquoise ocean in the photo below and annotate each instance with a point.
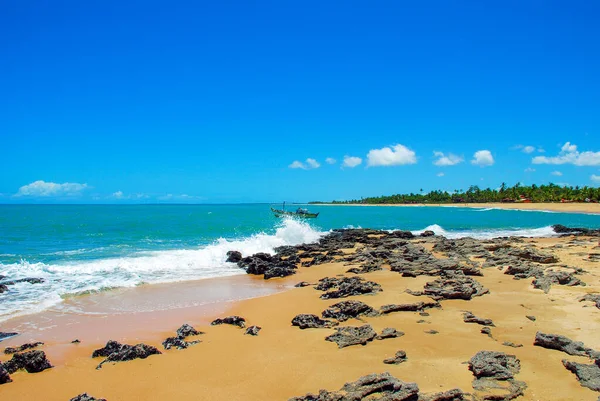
(81, 249)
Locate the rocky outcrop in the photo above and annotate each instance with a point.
(545, 281)
(346, 286)
(595, 298)
(396, 359)
(4, 376)
(450, 395)
(564, 344)
(30, 280)
(117, 352)
(560, 229)
(345, 310)
(511, 344)
(308, 321)
(452, 285)
(232, 320)
(24, 347)
(31, 362)
(389, 332)
(468, 317)
(375, 386)
(494, 376)
(234, 256)
(178, 342)
(3, 288)
(416, 307)
(302, 284)
(86, 397)
(253, 330)
(186, 330)
(348, 336)
(588, 375)
(267, 265)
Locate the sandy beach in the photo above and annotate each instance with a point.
(592, 208)
(283, 361)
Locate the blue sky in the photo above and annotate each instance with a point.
(146, 101)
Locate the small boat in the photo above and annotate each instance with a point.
(300, 212)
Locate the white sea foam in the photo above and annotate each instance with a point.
(77, 277)
(547, 231)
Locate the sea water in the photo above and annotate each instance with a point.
(81, 249)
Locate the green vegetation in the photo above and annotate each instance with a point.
(517, 193)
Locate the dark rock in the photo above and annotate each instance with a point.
(524, 271)
(453, 286)
(560, 229)
(432, 332)
(561, 277)
(389, 332)
(364, 269)
(4, 376)
(318, 260)
(232, 320)
(279, 271)
(346, 286)
(345, 310)
(382, 387)
(302, 284)
(116, 352)
(498, 390)
(427, 233)
(86, 397)
(450, 395)
(564, 344)
(509, 344)
(347, 336)
(30, 280)
(75, 341)
(308, 321)
(396, 359)
(178, 342)
(234, 256)
(186, 330)
(495, 365)
(528, 254)
(31, 361)
(588, 375)
(424, 313)
(416, 307)
(591, 298)
(413, 261)
(3, 288)
(468, 317)
(530, 317)
(253, 330)
(13, 350)
(487, 330)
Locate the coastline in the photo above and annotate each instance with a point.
(284, 361)
(586, 208)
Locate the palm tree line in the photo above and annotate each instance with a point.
(516, 193)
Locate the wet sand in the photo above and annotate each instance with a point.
(284, 361)
(591, 208)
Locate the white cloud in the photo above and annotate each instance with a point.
(118, 195)
(396, 155)
(312, 163)
(528, 149)
(447, 160)
(330, 160)
(46, 189)
(179, 198)
(570, 155)
(308, 165)
(351, 161)
(595, 178)
(529, 170)
(557, 173)
(483, 158)
(440, 174)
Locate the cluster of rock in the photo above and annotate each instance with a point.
(343, 287)
(86, 397)
(348, 336)
(261, 263)
(30, 361)
(21, 348)
(232, 320)
(345, 310)
(117, 352)
(452, 285)
(179, 341)
(382, 386)
(5, 283)
(494, 376)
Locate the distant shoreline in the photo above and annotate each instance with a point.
(588, 208)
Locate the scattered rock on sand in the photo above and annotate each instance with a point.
(302, 284)
(564, 344)
(396, 359)
(232, 320)
(75, 341)
(588, 375)
(345, 310)
(416, 307)
(346, 286)
(452, 285)
(375, 386)
(117, 352)
(468, 317)
(253, 330)
(31, 361)
(389, 332)
(13, 350)
(347, 336)
(4, 376)
(511, 344)
(532, 318)
(432, 332)
(86, 397)
(487, 330)
(178, 342)
(591, 298)
(556, 277)
(308, 321)
(186, 330)
(494, 376)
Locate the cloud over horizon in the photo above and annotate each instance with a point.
(483, 158)
(447, 160)
(42, 188)
(308, 164)
(396, 155)
(570, 155)
(351, 161)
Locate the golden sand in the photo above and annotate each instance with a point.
(284, 361)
